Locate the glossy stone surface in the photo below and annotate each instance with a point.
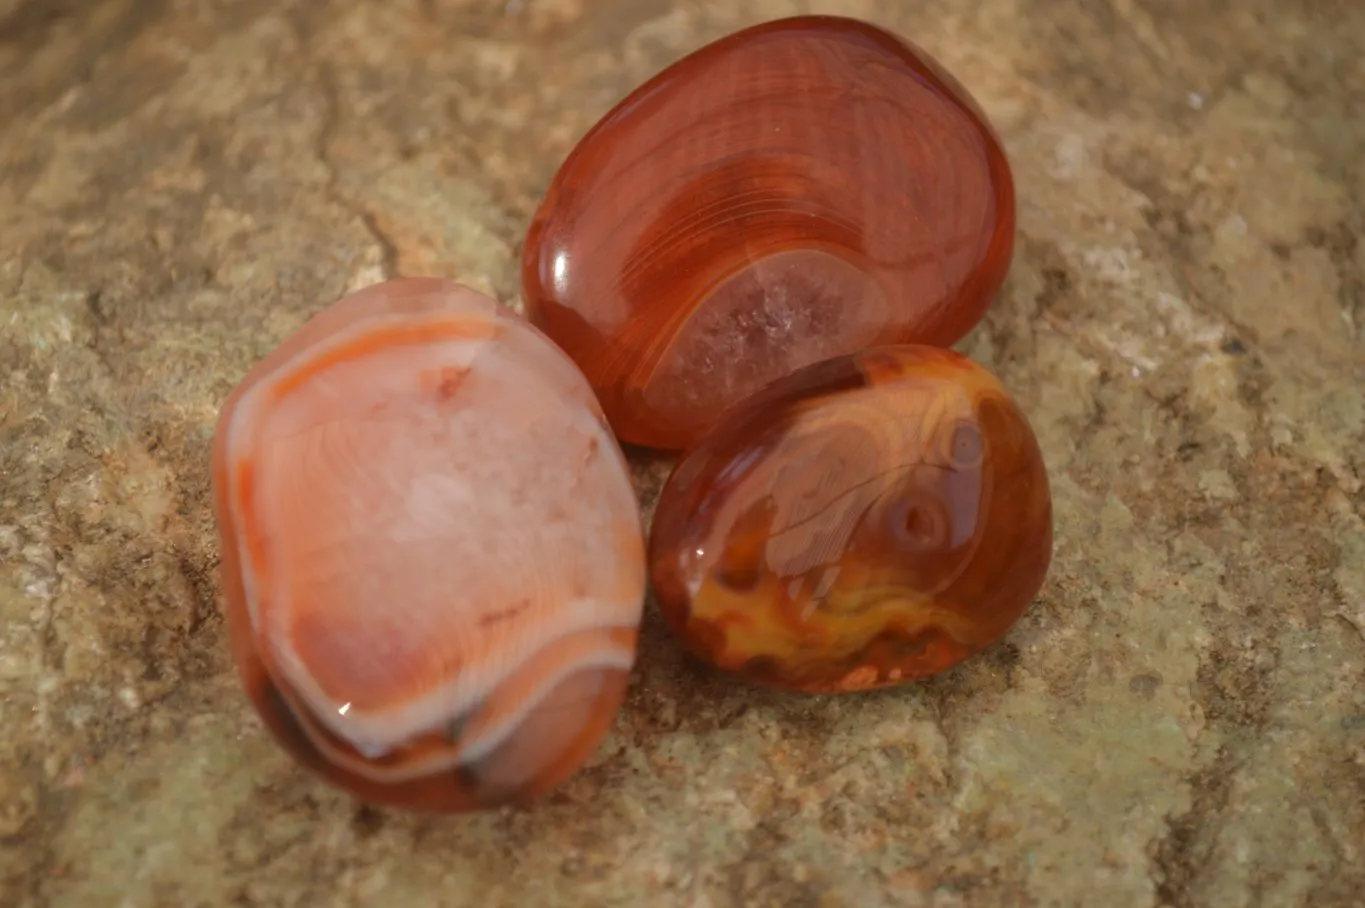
(867, 520)
(797, 190)
(431, 550)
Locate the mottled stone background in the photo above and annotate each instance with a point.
(1179, 721)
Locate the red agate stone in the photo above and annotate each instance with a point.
(433, 559)
(865, 521)
(797, 190)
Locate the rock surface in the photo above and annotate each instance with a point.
(1180, 719)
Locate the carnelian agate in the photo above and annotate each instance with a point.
(801, 189)
(432, 551)
(867, 520)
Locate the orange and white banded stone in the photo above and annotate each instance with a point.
(432, 551)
